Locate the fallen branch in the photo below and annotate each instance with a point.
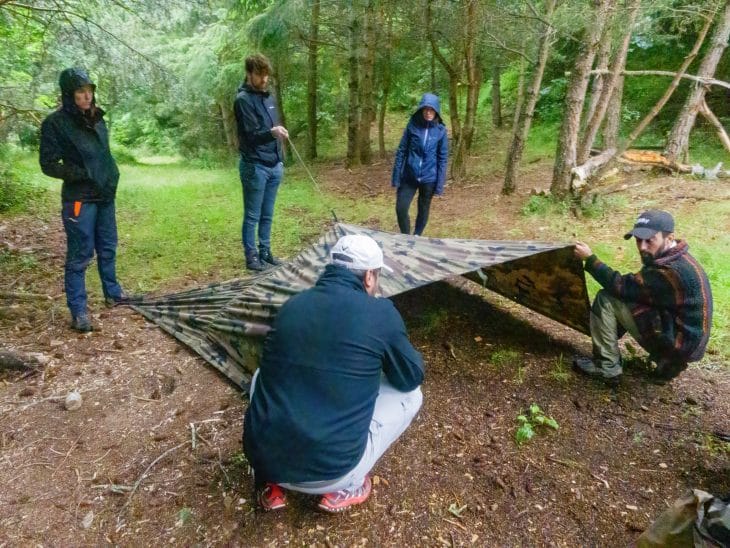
(710, 117)
(144, 474)
(24, 296)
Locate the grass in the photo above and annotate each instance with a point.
(504, 357)
(179, 223)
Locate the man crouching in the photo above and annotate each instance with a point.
(338, 384)
(666, 306)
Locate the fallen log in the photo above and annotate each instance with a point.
(581, 174)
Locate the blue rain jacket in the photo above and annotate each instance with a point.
(423, 152)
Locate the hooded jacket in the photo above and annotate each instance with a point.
(256, 114)
(320, 374)
(75, 146)
(670, 300)
(423, 152)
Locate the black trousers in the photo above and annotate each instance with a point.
(404, 197)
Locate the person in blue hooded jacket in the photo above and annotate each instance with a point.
(420, 163)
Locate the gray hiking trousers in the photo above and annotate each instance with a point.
(610, 319)
(394, 411)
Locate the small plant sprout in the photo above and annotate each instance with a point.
(456, 510)
(530, 421)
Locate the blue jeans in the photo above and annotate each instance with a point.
(89, 226)
(405, 193)
(260, 184)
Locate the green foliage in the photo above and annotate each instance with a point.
(504, 357)
(560, 371)
(529, 422)
(16, 192)
(432, 321)
(543, 205)
(184, 516)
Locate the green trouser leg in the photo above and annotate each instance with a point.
(610, 319)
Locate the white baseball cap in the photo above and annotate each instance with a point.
(358, 252)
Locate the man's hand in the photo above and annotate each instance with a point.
(582, 251)
(280, 132)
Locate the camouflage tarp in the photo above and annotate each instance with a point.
(226, 322)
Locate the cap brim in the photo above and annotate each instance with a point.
(386, 268)
(641, 233)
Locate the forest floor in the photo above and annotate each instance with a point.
(126, 469)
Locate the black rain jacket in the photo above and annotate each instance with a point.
(256, 114)
(75, 146)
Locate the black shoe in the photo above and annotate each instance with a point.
(666, 370)
(254, 263)
(122, 299)
(81, 324)
(266, 257)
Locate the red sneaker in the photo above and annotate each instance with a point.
(271, 497)
(342, 500)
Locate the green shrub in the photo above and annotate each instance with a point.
(15, 192)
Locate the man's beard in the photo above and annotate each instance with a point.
(646, 258)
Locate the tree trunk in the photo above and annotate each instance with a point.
(458, 168)
(312, 54)
(472, 74)
(496, 96)
(575, 97)
(613, 116)
(678, 142)
(619, 62)
(386, 80)
(353, 86)
(229, 125)
(522, 126)
(369, 45)
(520, 95)
(602, 58)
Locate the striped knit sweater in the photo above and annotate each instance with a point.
(671, 302)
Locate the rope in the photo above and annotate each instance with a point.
(296, 152)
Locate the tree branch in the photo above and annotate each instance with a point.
(700, 79)
(505, 47)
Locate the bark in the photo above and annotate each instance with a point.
(613, 116)
(602, 58)
(473, 78)
(678, 141)
(710, 116)
(496, 96)
(524, 120)
(619, 62)
(367, 101)
(458, 169)
(580, 173)
(575, 97)
(229, 125)
(353, 85)
(520, 94)
(312, 78)
(386, 81)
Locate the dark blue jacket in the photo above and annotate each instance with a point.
(256, 114)
(310, 413)
(75, 147)
(423, 152)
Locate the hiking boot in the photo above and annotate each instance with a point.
(267, 258)
(123, 299)
(254, 263)
(342, 500)
(271, 497)
(81, 324)
(610, 375)
(666, 370)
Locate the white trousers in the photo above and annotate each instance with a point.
(394, 411)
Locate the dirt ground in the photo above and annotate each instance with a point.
(153, 453)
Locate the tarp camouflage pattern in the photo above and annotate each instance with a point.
(226, 322)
